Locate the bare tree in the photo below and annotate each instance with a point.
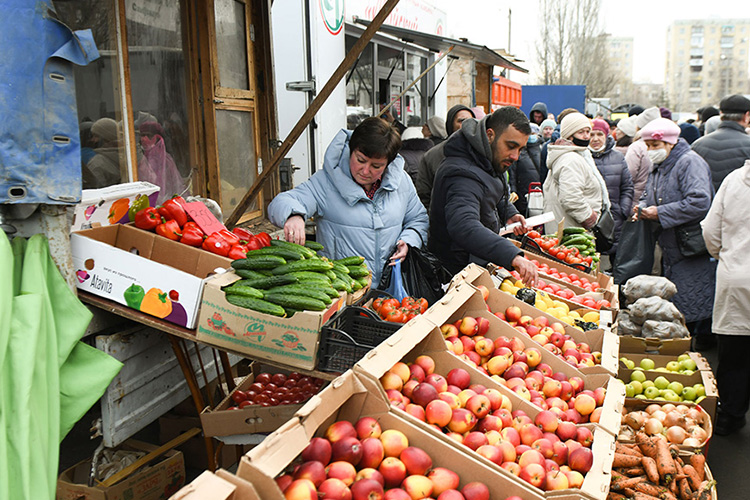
(573, 47)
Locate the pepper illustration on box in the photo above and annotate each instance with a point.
(156, 303)
(119, 211)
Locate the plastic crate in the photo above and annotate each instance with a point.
(349, 335)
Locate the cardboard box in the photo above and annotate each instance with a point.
(111, 261)
(706, 378)
(661, 360)
(652, 345)
(222, 485)
(633, 404)
(163, 477)
(110, 205)
(352, 298)
(290, 341)
(252, 419)
(605, 342)
(351, 398)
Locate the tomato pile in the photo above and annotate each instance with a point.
(551, 245)
(399, 312)
(276, 389)
(172, 221)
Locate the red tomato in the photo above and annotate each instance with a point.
(534, 234)
(408, 301)
(386, 309)
(392, 302)
(377, 303)
(395, 316)
(423, 304)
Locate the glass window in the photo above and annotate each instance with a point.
(237, 157)
(231, 47)
(103, 152)
(391, 79)
(413, 105)
(360, 98)
(158, 88)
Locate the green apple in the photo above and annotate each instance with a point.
(673, 366)
(629, 391)
(647, 383)
(630, 364)
(688, 364)
(670, 395)
(651, 392)
(647, 364)
(701, 398)
(700, 390)
(683, 356)
(676, 387)
(660, 398)
(689, 394)
(661, 369)
(661, 382)
(638, 376)
(687, 372)
(640, 396)
(637, 386)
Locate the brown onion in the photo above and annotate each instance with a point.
(635, 419)
(650, 409)
(684, 409)
(653, 426)
(676, 434)
(698, 433)
(659, 415)
(696, 415)
(691, 441)
(674, 418)
(666, 408)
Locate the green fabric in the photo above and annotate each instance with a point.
(49, 378)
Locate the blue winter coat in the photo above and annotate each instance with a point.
(614, 169)
(348, 222)
(681, 189)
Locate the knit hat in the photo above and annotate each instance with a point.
(689, 132)
(572, 123)
(437, 127)
(106, 128)
(708, 112)
(647, 117)
(661, 129)
(665, 113)
(452, 116)
(548, 123)
(598, 124)
(635, 110)
(627, 125)
(712, 124)
(412, 133)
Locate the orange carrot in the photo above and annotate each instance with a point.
(698, 461)
(621, 482)
(643, 496)
(652, 472)
(633, 471)
(682, 482)
(664, 461)
(613, 495)
(627, 450)
(626, 460)
(646, 444)
(650, 489)
(693, 477)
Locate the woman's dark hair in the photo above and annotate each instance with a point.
(624, 141)
(375, 138)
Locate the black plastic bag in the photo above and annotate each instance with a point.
(422, 274)
(635, 253)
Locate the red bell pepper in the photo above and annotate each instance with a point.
(254, 243)
(192, 225)
(192, 236)
(179, 199)
(237, 252)
(229, 236)
(147, 219)
(171, 209)
(216, 243)
(264, 239)
(243, 233)
(169, 229)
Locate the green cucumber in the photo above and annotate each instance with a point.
(573, 230)
(259, 262)
(299, 302)
(257, 305)
(303, 265)
(356, 286)
(339, 268)
(243, 290)
(331, 275)
(311, 276)
(248, 274)
(358, 271)
(280, 251)
(364, 281)
(293, 246)
(305, 290)
(354, 260)
(341, 286)
(313, 245)
(267, 282)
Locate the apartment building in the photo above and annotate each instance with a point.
(620, 52)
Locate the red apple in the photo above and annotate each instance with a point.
(556, 480)
(301, 489)
(426, 363)
(339, 430)
(475, 439)
(442, 480)
(584, 436)
(393, 471)
(534, 474)
(319, 450)
(367, 427)
(394, 442)
(348, 449)
(462, 420)
(335, 489)
(396, 494)
(367, 489)
(475, 491)
(479, 405)
(370, 473)
(418, 486)
(372, 453)
(581, 459)
(423, 394)
(513, 313)
(458, 377)
(314, 471)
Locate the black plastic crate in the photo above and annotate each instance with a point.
(349, 335)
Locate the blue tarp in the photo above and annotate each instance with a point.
(40, 152)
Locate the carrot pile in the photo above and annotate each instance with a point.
(652, 469)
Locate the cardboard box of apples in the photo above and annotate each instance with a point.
(485, 418)
(347, 443)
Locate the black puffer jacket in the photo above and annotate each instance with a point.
(725, 150)
(413, 150)
(525, 171)
(466, 199)
(613, 167)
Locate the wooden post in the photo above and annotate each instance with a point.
(325, 92)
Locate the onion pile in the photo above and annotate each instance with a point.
(679, 424)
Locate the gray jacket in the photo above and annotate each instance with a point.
(724, 150)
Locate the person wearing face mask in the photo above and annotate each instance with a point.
(574, 189)
(547, 126)
(525, 170)
(613, 167)
(678, 195)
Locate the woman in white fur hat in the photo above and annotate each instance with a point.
(574, 188)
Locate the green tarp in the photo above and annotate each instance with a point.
(48, 378)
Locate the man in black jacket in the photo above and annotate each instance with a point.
(470, 195)
(728, 147)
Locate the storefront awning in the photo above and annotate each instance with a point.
(461, 48)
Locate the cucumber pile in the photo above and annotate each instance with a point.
(286, 278)
(578, 238)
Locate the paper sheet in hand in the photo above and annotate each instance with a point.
(537, 220)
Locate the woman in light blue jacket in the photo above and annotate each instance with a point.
(363, 201)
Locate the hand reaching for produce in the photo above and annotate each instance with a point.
(294, 229)
(526, 269)
(401, 250)
(519, 230)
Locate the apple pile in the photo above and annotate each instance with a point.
(363, 462)
(276, 389)
(546, 452)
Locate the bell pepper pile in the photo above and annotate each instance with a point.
(172, 221)
(399, 312)
(552, 245)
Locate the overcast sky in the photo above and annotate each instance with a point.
(486, 22)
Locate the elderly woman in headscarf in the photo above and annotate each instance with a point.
(678, 196)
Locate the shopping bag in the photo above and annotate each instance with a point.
(635, 254)
(395, 286)
(421, 273)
